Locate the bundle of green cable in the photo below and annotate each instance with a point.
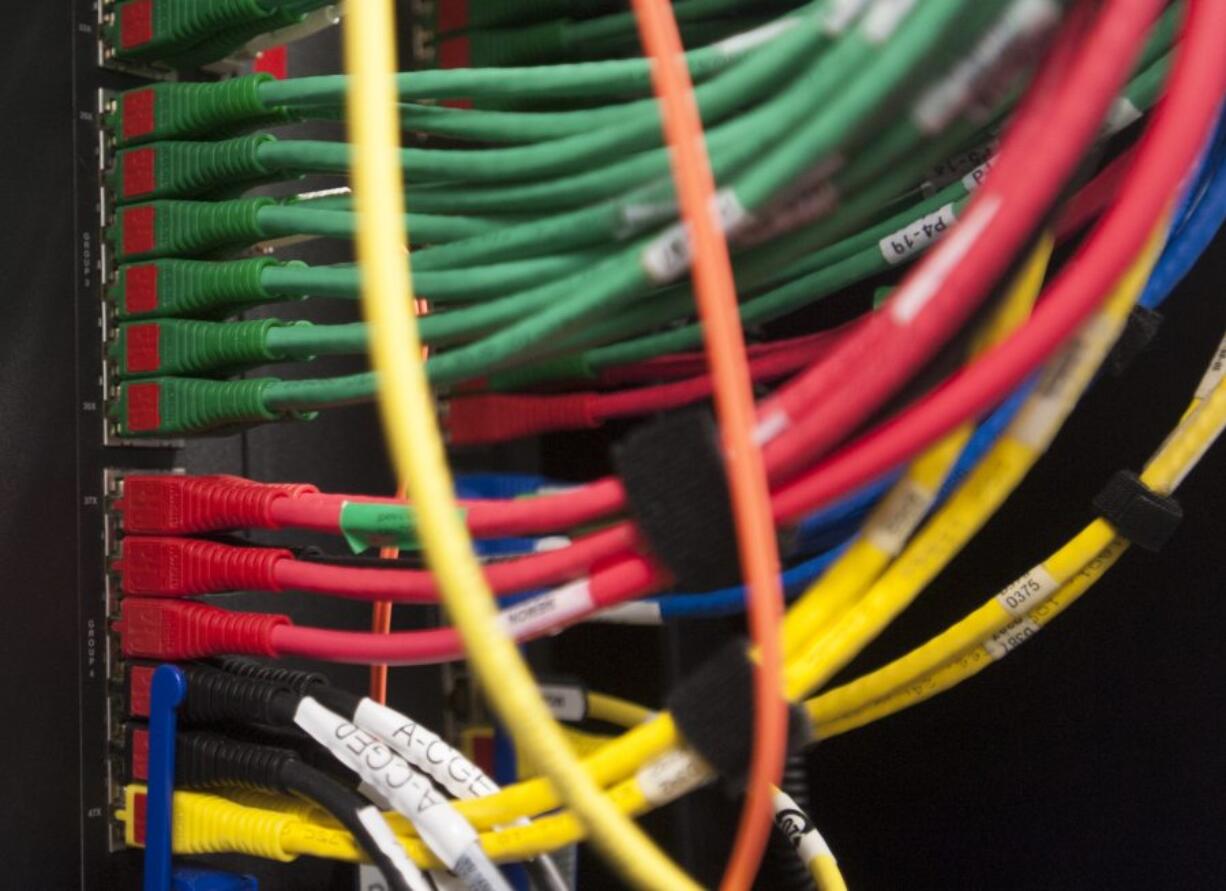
(491, 34)
(547, 240)
(189, 33)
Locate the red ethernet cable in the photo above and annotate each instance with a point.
(214, 503)
(169, 629)
(680, 365)
(1167, 150)
(155, 566)
(820, 408)
(495, 417)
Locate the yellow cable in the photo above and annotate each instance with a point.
(900, 512)
(622, 756)
(617, 711)
(417, 451)
(213, 823)
(799, 829)
(826, 873)
(1022, 608)
(1065, 378)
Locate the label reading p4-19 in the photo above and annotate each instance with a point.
(914, 237)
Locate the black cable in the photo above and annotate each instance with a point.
(782, 869)
(242, 680)
(207, 760)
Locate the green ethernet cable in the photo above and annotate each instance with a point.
(169, 228)
(188, 169)
(201, 110)
(622, 278)
(162, 30)
(489, 317)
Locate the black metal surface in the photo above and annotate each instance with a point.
(57, 822)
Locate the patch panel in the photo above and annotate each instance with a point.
(106, 59)
(107, 266)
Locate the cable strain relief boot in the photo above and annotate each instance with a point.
(218, 697)
(187, 347)
(156, 566)
(177, 169)
(205, 760)
(156, 29)
(229, 41)
(491, 418)
(202, 288)
(175, 504)
(297, 680)
(178, 406)
(179, 630)
(168, 228)
(192, 110)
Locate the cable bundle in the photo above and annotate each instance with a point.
(837, 145)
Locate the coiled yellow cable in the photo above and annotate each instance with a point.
(981, 493)
(1021, 609)
(892, 522)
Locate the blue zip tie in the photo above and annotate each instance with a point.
(167, 691)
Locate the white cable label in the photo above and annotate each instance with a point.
(425, 750)
(567, 701)
(672, 775)
(383, 836)
(841, 13)
(405, 789)
(957, 167)
(635, 612)
(974, 179)
(477, 873)
(545, 612)
(884, 18)
(739, 44)
(898, 515)
(1022, 595)
(1063, 379)
(1123, 114)
(797, 828)
(771, 426)
(669, 255)
(990, 66)
(804, 206)
(1213, 374)
(900, 246)
(1012, 636)
(928, 280)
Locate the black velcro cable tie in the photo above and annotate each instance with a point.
(1138, 331)
(674, 480)
(1138, 513)
(713, 708)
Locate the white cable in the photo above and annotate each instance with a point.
(406, 790)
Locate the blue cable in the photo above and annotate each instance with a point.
(730, 601)
(1205, 219)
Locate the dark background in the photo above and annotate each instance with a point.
(1091, 758)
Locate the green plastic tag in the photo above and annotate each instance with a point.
(367, 526)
